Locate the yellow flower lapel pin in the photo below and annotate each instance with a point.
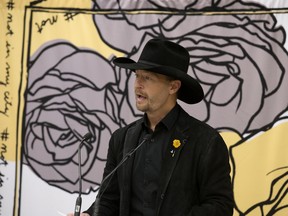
(176, 145)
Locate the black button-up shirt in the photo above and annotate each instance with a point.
(147, 164)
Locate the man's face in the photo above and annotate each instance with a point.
(153, 92)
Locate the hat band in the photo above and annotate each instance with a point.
(150, 63)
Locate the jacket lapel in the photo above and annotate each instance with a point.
(171, 157)
(131, 138)
(130, 142)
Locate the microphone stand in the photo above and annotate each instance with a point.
(79, 199)
(127, 156)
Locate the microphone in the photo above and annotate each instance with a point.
(79, 199)
(127, 156)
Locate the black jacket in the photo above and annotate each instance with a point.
(194, 182)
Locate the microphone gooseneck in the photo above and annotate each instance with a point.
(79, 199)
(127, 156)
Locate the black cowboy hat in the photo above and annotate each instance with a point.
(170, 59)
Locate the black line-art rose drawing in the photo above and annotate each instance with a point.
(229, 61)
(68, 96)
(239, 59)
(220, 49)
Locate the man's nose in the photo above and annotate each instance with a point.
(139, 82)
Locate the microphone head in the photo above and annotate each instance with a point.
(87, 136)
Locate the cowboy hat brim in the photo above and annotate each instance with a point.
(190, 92)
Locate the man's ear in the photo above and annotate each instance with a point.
(175, 86)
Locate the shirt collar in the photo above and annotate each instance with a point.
(168, 121)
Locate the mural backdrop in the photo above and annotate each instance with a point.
(57, 83)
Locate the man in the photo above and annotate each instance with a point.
(183, 167)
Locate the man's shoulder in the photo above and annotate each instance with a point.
(186, 120)
(123, 130)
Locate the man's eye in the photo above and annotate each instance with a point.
(147, 78)
(143, 77)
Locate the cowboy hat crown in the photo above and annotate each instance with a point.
(170, 59)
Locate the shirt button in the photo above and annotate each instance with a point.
(152, 140)
(162, 196)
